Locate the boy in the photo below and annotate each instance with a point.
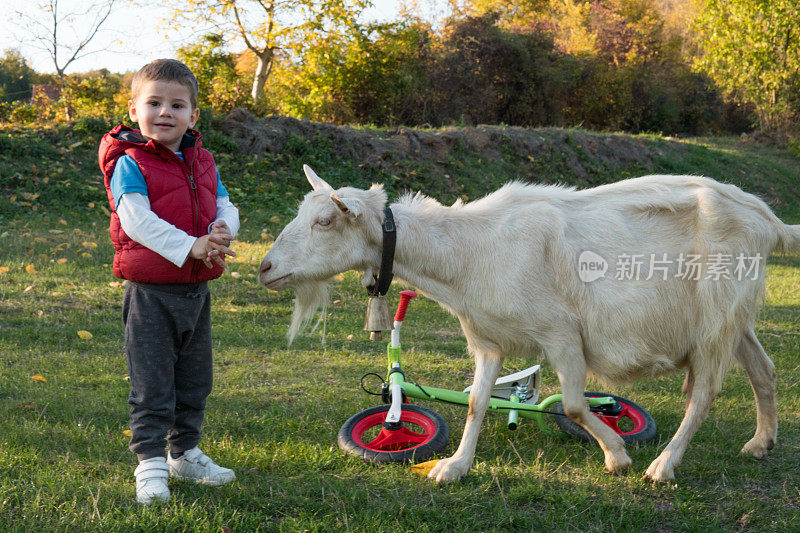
(171, 224)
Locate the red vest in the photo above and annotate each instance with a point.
(182, 193)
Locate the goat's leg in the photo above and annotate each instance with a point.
(487, 367)
(570, 366)
(688, 385)
(761, 371)
(705, 388)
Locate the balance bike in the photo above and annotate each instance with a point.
(398, 431)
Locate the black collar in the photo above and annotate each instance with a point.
(387, 255)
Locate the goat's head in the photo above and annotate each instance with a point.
(334, 231)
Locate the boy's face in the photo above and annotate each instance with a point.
(164, 111)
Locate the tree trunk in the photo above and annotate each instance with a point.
(263, 69)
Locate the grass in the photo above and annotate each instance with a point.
(275, 412)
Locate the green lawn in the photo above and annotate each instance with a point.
(275, 412)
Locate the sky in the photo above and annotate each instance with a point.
(131, 37)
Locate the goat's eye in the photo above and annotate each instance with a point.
(323, 221)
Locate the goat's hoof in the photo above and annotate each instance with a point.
(659, 472)
(617, 466)
(448, 470)
(758, 447)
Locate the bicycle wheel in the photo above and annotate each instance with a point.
(423, 433)
(628, 420)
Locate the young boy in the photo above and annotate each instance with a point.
(171, 224)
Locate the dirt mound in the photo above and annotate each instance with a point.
(580, 151)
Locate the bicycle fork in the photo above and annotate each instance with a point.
(395, 373)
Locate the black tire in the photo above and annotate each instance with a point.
(430, 440)
(643, 430)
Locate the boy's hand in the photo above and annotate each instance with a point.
(220, 229)
(212, 247)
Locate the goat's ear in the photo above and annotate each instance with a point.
(350, 207)
(317, 183)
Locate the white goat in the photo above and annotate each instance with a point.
(509, 267)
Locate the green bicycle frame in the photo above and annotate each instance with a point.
(513, 406)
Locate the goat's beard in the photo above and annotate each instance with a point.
(308, 297)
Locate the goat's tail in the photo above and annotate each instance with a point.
(789, 238)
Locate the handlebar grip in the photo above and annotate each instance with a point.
(405, 297)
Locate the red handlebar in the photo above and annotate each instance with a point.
(405, 297)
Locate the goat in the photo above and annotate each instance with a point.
(509, 266)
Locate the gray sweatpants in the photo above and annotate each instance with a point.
(168, 346)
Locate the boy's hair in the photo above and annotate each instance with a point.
(166, 70)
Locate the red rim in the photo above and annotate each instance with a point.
(392, 441)
(629, 413)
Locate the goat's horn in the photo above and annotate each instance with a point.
(317, 183)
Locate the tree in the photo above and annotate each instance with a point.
(373, 74)
(751, 48)
(16, 77)
(266, 26)
(65, 33)
(221, 86)
(48, 32)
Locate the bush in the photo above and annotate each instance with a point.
(24, 113)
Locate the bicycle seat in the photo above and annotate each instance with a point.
(528, 380)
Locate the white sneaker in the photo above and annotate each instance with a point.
(198, 467)
(151, 480)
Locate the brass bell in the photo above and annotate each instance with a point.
(378, 319)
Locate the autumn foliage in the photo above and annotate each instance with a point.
(614, 65)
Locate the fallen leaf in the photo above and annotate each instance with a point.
(91, 205)
(27, 406)
(115, 284)
(423, 469)
(226, 529)
(40, 239)
(62, 260)
(28, 289)
(232, 310)
(86, 254)
(30, 269)
(236, 275)
(339, 277)
(83, 334)
(744, 521)
(38, 378)
(56, 231)
(350, 337)
(3, 270)
(57, 294)
(62, 222)
(89, 244)
(127, 433)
